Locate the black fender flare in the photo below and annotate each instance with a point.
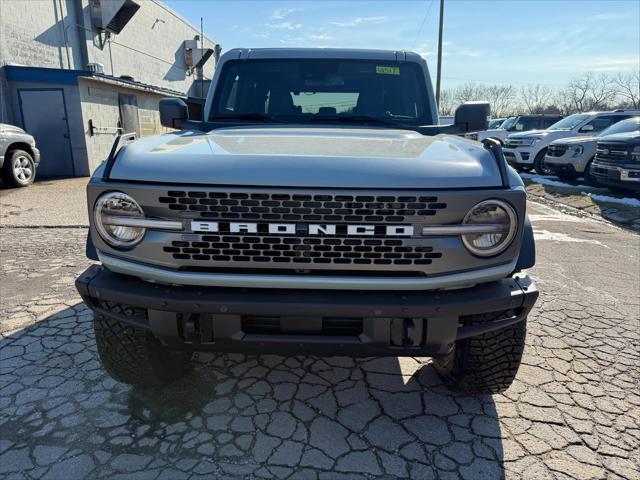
(90, 249)
(527, 256)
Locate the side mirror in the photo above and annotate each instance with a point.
(587, 128)
(473, 116)
(173, 111)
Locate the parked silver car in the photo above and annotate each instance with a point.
(570, 158)
(19, 156)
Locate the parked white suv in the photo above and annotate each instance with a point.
(527, 150)
(521, 123)
(570, 158)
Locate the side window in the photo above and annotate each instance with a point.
(232, 96)
(526, 123)
(600, 123)
(548, 121)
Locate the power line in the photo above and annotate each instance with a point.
(424, 19)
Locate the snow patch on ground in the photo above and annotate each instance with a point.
(547, 180)
(629, 202)
(562, 237)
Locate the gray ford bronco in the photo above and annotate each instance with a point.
(316, 209)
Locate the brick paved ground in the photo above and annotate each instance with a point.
(573, 411)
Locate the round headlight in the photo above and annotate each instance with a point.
(110, 214)
(502, 220)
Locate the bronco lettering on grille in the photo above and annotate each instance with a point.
(302, 229)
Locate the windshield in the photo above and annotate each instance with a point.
(495, 123)
(570, 122)
(508, 123)
(625, 126)
(301, 91)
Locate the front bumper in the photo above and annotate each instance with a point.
(519, 157)
(302, 322)
(36, 156)
(566, 163)
(624, 176)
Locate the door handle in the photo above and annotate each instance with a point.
(66, 135)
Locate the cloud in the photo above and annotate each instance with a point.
(284, 25)
(354, 22)
(319, 37)
(281, 14)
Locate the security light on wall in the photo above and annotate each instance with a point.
(195, 57)
(111, 16)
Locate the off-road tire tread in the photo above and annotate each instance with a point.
(134, 356)
(486, 364)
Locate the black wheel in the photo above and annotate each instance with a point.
(19, 169)
(539, 165)
(134, 356)
(567, 175)
(486, 364)
(590, 179)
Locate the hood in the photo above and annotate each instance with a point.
(309, 157)
(575, 141)
(542, 134)
(529, 133)
(5, 127)
(631, 137)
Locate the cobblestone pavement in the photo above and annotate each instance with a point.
(573, 411)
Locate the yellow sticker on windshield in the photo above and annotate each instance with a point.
(388, 70)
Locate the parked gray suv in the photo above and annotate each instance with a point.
(317, 209)
(19, 156)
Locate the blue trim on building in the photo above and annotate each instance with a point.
(70, 77)
(43, 75)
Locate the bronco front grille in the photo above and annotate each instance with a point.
(301, 207)
(302, 250)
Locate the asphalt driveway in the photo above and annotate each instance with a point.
(573, 411)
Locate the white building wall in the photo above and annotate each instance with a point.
(150, 48)
(32, 33)
(100, 105)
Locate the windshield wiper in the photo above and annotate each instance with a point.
(351, 119)
(242, 116)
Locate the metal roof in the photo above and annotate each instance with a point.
(70, 77)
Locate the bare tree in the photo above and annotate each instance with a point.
(590, 92)
(468, 92)
(447, 104)
(536, 98)
(502, 99)
(627, 88)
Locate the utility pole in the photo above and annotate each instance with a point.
(439, 73)
(202, 68)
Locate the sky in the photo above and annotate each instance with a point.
(505, 41)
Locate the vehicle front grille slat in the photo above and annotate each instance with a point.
(302, 250)
(557, 150)
(302, 208)
(614, 153)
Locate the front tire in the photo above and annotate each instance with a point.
(19, 169)
(133, 355)
(567, 175)
(539, 165)
(589, 178)
(486, 364)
